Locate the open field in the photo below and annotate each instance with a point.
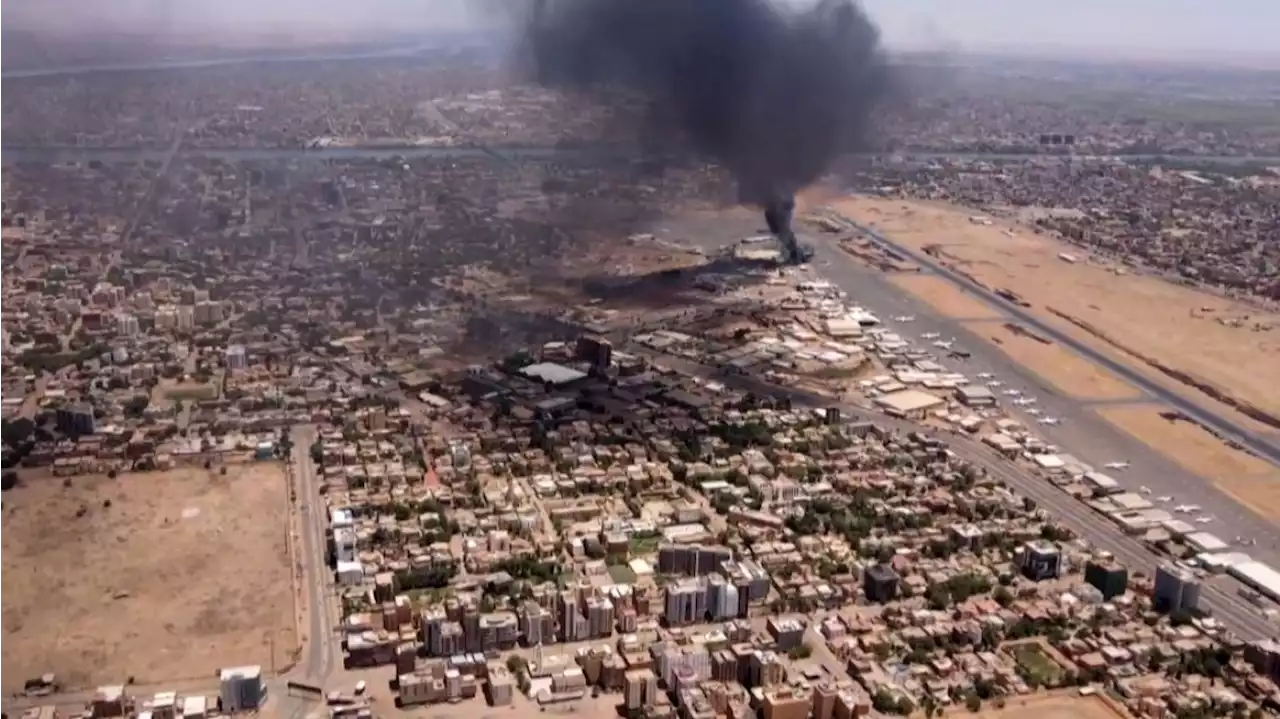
(1147, 315)
(156, 576)
(1032, 658)
(1250, 481)
(1056, 706)
(945, 298)
(1071, 374)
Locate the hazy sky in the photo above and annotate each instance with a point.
(1169, 28)
(1166, 27)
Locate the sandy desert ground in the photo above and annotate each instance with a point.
(156, 576)
(1252, 482)
(1058, 706)
(1070, 373)
(945, 298)
(1147, 315)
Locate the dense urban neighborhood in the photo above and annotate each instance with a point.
(371, 387)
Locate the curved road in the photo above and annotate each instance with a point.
(1260, 445)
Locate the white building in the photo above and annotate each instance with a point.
(127, 325)
(350, 574)
(241, 689)
(344, 544)
(236, 358)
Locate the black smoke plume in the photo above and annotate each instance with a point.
(771, 94)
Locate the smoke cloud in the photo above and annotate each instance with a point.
(773, 94)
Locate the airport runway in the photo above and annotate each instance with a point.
(1082, 434)
(1262, 446)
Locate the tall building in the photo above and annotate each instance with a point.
(824, 700)
(1107, 577)
(207, 312)
(1176, 589)
(599, 617)
(573, 626)
(1040, 560)
(692, 559)
(596, 350)
(237, 360)
(880, 583)
(640, 689)
(76, 419)
(723, 598)
(686, 602)
(127, 325)
(186, 318)
(241, 689)
(537, 624)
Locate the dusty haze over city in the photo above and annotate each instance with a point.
(1233, 31)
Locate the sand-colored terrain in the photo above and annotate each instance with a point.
(1253, 482)
(1057, 706)
(157, 576)
(1147, 315)
(1071, 374)
(945, 298)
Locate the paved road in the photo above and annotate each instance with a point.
(321, 646)
(320, 638)
(1262, 446)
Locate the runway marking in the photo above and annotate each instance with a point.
(975, 320)
(1120, 402)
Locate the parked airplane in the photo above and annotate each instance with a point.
(1116, 465)
(985, 375)
(940, 344)
(1012, 392)
(930, 335)
(1165, 498)
(1144, 489)
(1050, 420)
(1187, 508)
(1204, 520)
(1033, 412)
(995, 383)
(905, 318)
(1029, 400)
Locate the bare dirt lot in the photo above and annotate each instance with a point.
(1057, 706)
(1147, 315)
(1250, 481)
(946, 299)
(157, 576)
(1071, 374)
